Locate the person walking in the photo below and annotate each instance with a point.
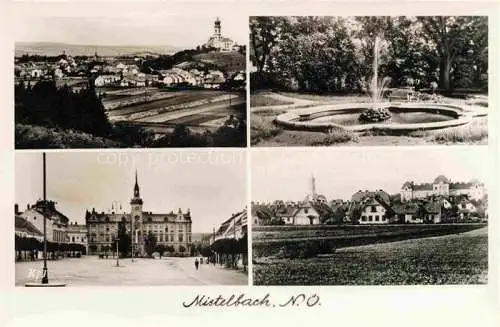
(196, 263)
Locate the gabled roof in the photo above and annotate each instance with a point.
(441, 179)
(23, 225)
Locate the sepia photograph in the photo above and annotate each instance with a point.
(122, 218)
(368, 80)
(123, 82)
(404, 217)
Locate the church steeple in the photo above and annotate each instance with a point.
(137, 196)
(136, 186)
(313, 187)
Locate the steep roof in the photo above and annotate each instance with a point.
(23, 225)
(422, 187)
(441, 179)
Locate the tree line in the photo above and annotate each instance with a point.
(335, 54)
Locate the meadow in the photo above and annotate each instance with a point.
(451, 259)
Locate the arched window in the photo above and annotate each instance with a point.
(166, 229)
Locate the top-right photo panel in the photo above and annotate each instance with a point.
(370, 80)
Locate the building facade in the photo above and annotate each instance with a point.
(442, 186)
(77, 234)
(56, 223)
(171, 229)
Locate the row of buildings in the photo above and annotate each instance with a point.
(59, 229)
(170, 229)
(436, 202)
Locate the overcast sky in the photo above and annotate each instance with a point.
(132, 28)
(211, 184)
(284, 174)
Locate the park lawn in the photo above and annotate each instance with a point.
(262, 99)
(327, 98)
(454, 259)
(269, 135)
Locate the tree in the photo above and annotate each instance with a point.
(451, 37)
(150, 244)
(182, 249)
(264, 35)
(124, 241)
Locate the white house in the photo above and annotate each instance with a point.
(56, 225)
(306, 215)
(373, 212)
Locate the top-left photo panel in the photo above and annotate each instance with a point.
(156, 81)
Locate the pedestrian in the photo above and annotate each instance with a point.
(196, 263)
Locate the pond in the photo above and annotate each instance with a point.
(398, 117)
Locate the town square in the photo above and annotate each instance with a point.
(124, 244)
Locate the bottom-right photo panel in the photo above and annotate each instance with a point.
(391, 216)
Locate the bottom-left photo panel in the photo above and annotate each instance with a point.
(131, 218)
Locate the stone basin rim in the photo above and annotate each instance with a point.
(295, 119)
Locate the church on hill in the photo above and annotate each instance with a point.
(171, 229)
(218, 41)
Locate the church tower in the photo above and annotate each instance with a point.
(217, 28)
(136, 217)
(313, 187)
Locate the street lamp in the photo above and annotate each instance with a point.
(45, 272)
(117, 239)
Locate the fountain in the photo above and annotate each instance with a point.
(377, 112)
(379, 115)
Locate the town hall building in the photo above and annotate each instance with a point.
(171, 229)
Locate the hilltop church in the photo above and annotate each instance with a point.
(170, 229)
(218, 41)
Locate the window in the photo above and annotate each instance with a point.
(363, 218)
(34, 218)
(180, 238)
(166, 229)
(306, 210)
(370, 218)
(288, 219)
(376, 218)
(374, 209)
(73, 239)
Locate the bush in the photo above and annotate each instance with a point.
(375, 115)
(262, 128)
(336, 136)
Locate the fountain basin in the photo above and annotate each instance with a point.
(406, 117)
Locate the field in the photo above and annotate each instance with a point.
(451, 259)
(160, 110)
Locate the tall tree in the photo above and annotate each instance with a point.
(451, 36)
(150, 244)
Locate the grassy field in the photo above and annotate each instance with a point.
(260, 99)
(451, 259)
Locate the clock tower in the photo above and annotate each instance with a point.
(136, 219)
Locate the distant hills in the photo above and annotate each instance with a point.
(54, 49)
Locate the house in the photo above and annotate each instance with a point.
(374, 211)
(77, 234)
(306, 214)
(407, 213)
(56, 223)
(104, 80)
(432, 212)
(465, 208)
